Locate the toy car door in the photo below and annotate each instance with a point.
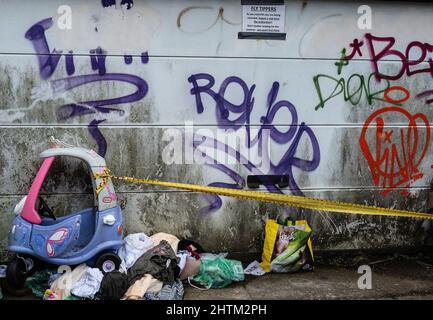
(54, 240)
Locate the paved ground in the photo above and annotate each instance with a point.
(392, 278)
(396, 279)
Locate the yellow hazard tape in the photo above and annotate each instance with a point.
(290, 200)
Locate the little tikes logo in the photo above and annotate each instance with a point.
(107, 200)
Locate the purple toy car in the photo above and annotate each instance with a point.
(91, 235)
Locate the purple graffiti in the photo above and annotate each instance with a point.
(129, 3)
(144, 57)
(69, 61)
(223, 106)
(87, 107)
(108, 3)
(97, 60)
(128, 59)
(203, 83)
(48, 62)
(98, 136)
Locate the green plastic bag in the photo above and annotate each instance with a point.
(218, 272)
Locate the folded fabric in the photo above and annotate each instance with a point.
(182, 255)
(62, 286)
(113, 286)
(160, 262)
(89, 283)
(168, 292)
(142, 286)
(134, 245)
(171, 239)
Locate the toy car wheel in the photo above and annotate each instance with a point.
(17, 272)
(108, 262)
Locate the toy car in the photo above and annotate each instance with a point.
(91, 235)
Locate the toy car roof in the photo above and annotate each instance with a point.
(90, 156)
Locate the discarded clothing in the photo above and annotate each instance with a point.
(62, 286)
(160, 262)
(208, 255)
(3, 268)
(185, 243)
(142, 286)
(89, 283)
(53, 278)
(182, 255)
(134, 245)
(171, 239)
(168, 292)
(192, 267)
(113, 286)
(2, 275)
(191, 246)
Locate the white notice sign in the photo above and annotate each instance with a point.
(263, 18)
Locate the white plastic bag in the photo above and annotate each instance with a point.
(134, 246)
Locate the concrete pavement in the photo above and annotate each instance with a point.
(392, 277)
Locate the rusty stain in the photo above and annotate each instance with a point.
(179, 16)
(304, 5)
(219, 16)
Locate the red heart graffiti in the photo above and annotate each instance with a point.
(383, 156)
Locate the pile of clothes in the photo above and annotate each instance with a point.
(152, 268)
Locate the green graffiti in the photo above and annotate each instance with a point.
(353, 89)
(342, 62)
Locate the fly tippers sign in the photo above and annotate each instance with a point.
(263, 20)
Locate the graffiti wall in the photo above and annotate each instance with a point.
(166, 90)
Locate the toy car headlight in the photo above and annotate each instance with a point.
(20, 205)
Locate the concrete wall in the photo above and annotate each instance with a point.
(137, 92)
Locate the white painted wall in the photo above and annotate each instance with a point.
(185, 38)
